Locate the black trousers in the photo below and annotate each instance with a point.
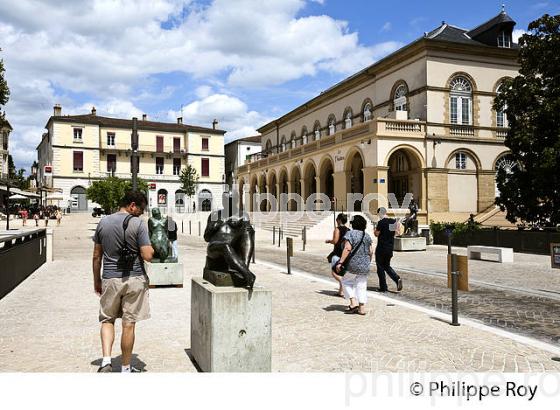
(383, 262)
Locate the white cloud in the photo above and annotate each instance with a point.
(386, 27)
(232, 114)
(517, 34)
(105, 51)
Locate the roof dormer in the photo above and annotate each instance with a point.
(495, 32)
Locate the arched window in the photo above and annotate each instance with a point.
(501, 117)
(268, 147)
(504, 39)
(304, 135)
(317, 131)
(461, 160)
(293, 139)
(283, 144)
(332, 125)
(348, 119)
(367, 112)
(461, 101)
(399, 99)
(507, 163)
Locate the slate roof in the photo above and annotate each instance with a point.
(124, 123)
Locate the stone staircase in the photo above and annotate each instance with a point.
(292, 227)
(492, 216)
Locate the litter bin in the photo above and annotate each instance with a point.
(425, 232)
(68, 210)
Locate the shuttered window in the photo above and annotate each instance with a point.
(204, 144)
(176, 144)
(205, 167)
(159, 143)
(78, 161)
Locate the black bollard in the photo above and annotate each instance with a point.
(454, 291)
(190, 228)
(274, 235)
(304, 236)
(182, 226)
(198, 228)
(289, 254)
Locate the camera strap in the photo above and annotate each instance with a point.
(125, 225)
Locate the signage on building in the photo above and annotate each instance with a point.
(162, 199)
(47, 169)
(555, 255)
(152, 186)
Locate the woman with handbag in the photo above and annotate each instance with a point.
(338, 245)
(354, 265)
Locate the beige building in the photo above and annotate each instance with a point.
(419, 121)
(5, 129)
(80, 149)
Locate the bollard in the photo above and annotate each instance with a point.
(253, 240)
(454, 291)
(274, 235)
(304, 236)
(182, 226)
(289, 253)
(190, 228)
(198, 228)
(279, 236)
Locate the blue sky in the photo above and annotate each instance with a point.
(243, 62)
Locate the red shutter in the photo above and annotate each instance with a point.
(159, 144)
(176, 144)
(78, 161)
(205, 167)
(205, 144)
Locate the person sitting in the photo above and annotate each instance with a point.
(338, 245)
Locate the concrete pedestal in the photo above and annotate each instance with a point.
(165, 274)
(231, 328)
(404, 243)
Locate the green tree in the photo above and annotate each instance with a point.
(530, 192)
(4, 90)
(108, 192)
(11, 167)
(189, 180)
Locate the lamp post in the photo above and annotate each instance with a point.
(134, 155)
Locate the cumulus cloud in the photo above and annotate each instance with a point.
(104, 52)
(517, 34)
(232, 114)
(386, 27)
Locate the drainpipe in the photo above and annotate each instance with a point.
(277, 136)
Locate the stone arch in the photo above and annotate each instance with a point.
(326, 176)
(418, 155)
(404, 174)
(295, 180)
(79, 198)
(268, 147)
(252, 191)
(499, 82)
(309, 179)
(396, 86)
(353, 168)
(461, 74)
(471, 153)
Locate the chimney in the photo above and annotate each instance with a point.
(144, 117)
(214, 124)
(93, 111)
(57, 110)
(179, 120)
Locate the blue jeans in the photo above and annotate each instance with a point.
(383, 262)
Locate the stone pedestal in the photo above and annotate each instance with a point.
(231, 328)
(165, 274)
(404, 243)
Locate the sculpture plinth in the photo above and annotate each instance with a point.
(220, 278)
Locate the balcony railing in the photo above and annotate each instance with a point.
(501, 133)
(462, 130)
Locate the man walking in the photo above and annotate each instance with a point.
(122, 243)
(385, 233)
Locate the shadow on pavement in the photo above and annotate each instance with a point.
(191, 357)
(117, 363)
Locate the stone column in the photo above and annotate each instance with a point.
(486, 182)
(341, 185)
(436, 190)
(376, 182)
(290, 190)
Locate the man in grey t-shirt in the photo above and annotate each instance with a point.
(124, 285)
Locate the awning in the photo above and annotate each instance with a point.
(18, 196)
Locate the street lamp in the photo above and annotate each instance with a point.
(134, 146)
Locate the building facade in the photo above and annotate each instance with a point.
(419, 121)
(79, 149)
(5, 129)
(237, 152)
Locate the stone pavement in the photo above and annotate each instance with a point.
(49, 323)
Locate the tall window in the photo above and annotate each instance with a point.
(204, 144)
(461, 101)
(111, 138)
(504, 39)
(176, 144)
(159, 165)
(332, 127)
(78, 161)
(348, 120)
(399, 100)
(205, 167)
(159, 143)
(317, 133)
(461, 160)
(283, 144)
(367, 112)
(78, 134)
(501, 117)
(111, 163)
(176, 166)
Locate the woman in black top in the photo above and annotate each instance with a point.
(337, 240)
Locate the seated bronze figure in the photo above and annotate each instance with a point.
(231, 243)
(411, 221)
(157, 228)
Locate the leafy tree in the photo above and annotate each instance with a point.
(4, 90)
(530, 192)
(108, 192)
(11, 167)
(189, 180)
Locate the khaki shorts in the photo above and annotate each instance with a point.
(126, 298)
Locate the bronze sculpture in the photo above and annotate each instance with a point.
(157, 228)
(231, 243)
(411, 222)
